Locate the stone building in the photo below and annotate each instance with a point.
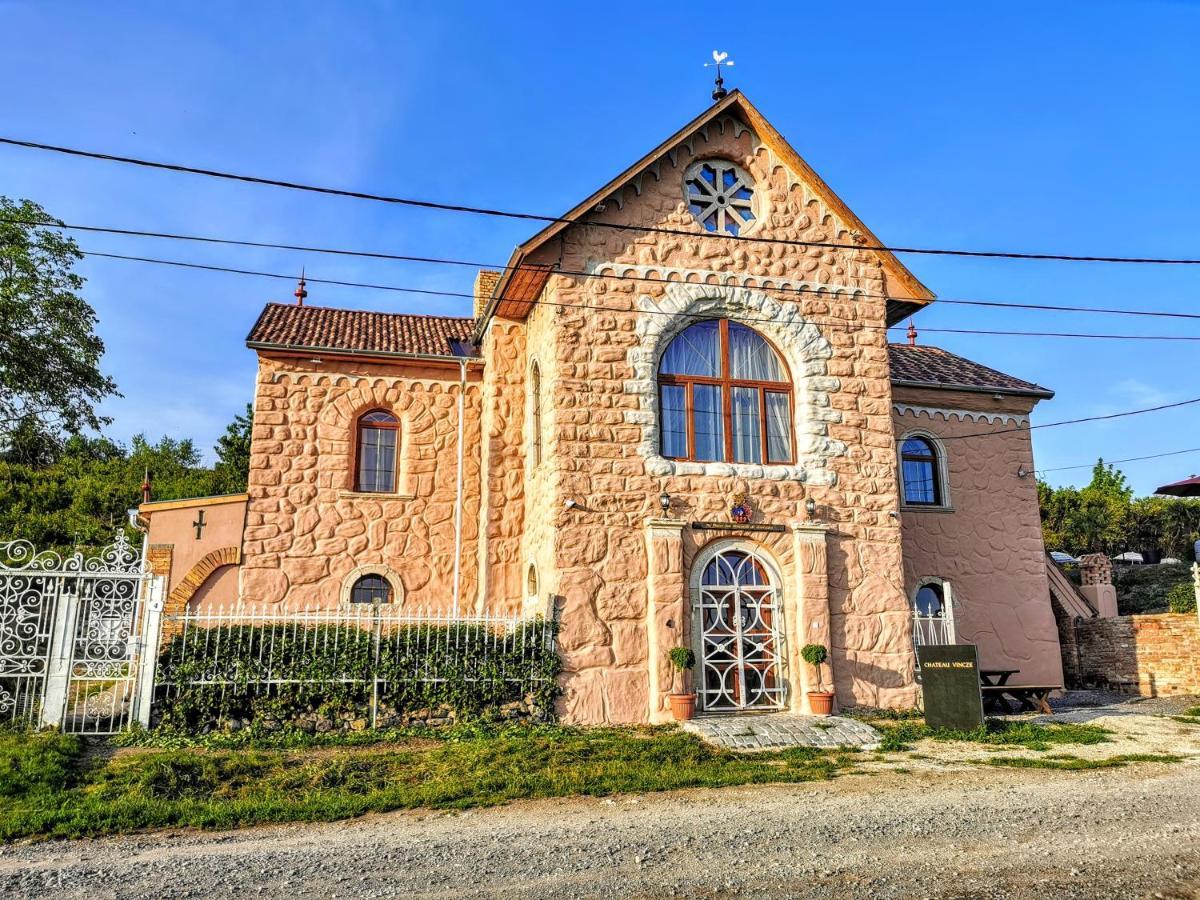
(676, 418)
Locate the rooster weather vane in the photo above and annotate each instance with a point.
(720, 58)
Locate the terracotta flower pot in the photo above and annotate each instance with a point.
(683, 706)
(820, 702)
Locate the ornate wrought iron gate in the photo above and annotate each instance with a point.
(72, 634)
(737, 617)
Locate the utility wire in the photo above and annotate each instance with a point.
(1120, 415)
(640, 278)
(1113, 462)
(565, 304)
(552, 220)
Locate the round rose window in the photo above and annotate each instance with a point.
(720, 196)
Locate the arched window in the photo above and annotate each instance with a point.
(933, 613)
(371, 589)
(920, 472)
(531, 582)
(375, 468)
(724, 396)
(535, 412)
(930, 601)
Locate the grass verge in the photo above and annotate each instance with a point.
(1065, 762)
(900, 735)
(56, 786)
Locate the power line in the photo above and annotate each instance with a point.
(433, 260)
(553, 220)
(1120, 415)
(1113, 462)
(462, 294)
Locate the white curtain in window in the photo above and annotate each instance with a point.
(747, 429)
(751, 357)
(779, 428)
(709, 427)
(695, 351)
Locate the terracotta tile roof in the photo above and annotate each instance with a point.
(323, 328)
(931, 366)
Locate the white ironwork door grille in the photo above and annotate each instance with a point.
(738, 616)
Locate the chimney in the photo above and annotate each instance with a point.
(485, 283)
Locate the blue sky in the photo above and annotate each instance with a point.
(1068, 127)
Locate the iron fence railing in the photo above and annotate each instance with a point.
(370, 660)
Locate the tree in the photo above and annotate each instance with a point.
(49, 351)
(233, 453)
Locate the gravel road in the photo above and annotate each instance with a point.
(1132, 832)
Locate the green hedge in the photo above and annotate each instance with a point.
(286, 674)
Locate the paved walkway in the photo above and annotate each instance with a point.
(771, 731)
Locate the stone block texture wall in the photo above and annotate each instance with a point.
(988, 544)
(605, 335)
(306, 528)
(1147, 655)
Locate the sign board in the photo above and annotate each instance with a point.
(950, 683)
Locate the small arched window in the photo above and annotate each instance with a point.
(535, 412)
(371, 589)
(920, 473)
(531, 582)
(375, 467)
(930, 601)
(724, 396)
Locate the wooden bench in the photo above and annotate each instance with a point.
(1028, 697)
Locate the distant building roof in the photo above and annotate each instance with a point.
(290, 326)
(923, 366)
(357, 331)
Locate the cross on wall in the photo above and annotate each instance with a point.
(199, 524)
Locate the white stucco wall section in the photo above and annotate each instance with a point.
(802, 345)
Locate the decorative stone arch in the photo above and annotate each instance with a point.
(386, 572)
(183, 592)
(337, 426)
(801, 344)
(941, 467)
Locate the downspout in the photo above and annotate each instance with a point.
(458, 490)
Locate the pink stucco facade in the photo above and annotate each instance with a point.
(531, 477)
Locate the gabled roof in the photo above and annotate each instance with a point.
(918, 365)
(292, 327)
(520, 284)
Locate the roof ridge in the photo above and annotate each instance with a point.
(372, 312)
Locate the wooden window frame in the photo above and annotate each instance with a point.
(935, 462)
(726, 383)
(359, 425)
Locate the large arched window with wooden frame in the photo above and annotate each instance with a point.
(375, 459)
(724, 396)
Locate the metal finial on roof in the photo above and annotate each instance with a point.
(912, 334)
(301, 291)
(146, 486)
(720, 58)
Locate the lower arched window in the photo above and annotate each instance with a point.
(371, 589)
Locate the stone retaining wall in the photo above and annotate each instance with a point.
(1148, 655)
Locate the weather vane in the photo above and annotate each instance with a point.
(720, 58)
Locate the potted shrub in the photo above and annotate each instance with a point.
(820, 701)
(683, 705)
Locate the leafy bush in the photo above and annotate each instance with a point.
(1182, 598)
(279, 675)
(1145, 589)
(814, 654)
(682, 658)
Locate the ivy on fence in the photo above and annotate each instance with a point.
(331, 675)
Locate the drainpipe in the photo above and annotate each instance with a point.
(458, 491)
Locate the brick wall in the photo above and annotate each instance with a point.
(1148, 655)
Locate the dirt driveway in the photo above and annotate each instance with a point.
(983, 832)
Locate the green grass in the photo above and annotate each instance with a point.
(54, 787)
(1144, 589)
(1065, 762)
(901, 735)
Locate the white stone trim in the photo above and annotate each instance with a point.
(962, 415)
(803, 347)
(388, 573)
(731, 279)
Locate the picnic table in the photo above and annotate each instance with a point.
(999, 696)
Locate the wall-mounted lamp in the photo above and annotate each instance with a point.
(570, 504)
(664, 500)
(810, 507)
(1022, 472)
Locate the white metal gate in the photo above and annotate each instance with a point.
(72, 632)
(737, 616)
